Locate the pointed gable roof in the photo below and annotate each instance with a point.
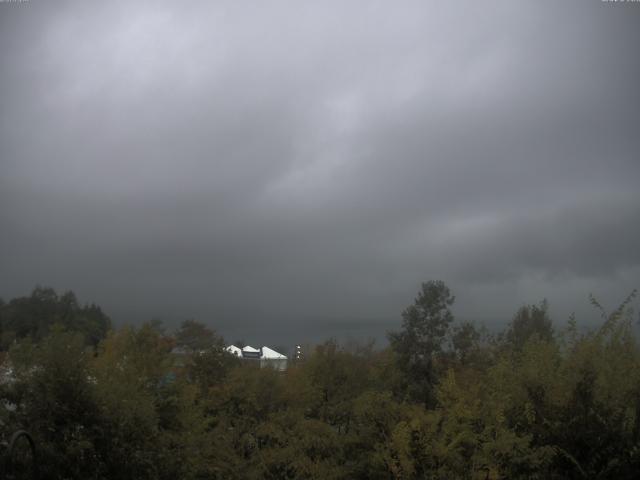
(270, 354)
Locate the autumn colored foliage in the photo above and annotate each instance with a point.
(443, 400)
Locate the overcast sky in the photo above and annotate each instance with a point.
(308, 164)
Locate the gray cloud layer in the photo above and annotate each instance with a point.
(300, 161)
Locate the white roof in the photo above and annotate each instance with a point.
(249, 348)
(269, 354)
(234, 350)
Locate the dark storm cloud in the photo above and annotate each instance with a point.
(303, 161)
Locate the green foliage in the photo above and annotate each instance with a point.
(128, 372)
(534, 405)
(34, 316)
(210, 367)
(530, 320)
(196, 336)
(55, 401)
(425, 325)
(338, 377)
(465, 341)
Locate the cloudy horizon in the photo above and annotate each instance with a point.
(305, 165)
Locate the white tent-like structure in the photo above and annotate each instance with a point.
(251, 353)
(273, 359)
(233, 350)
(270, 354)
(267, 357)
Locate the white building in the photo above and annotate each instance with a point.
(232, 349)
(267, 357)
(273, 359)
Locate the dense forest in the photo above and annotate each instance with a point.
(445, 399)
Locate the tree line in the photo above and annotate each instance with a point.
(445, 399)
